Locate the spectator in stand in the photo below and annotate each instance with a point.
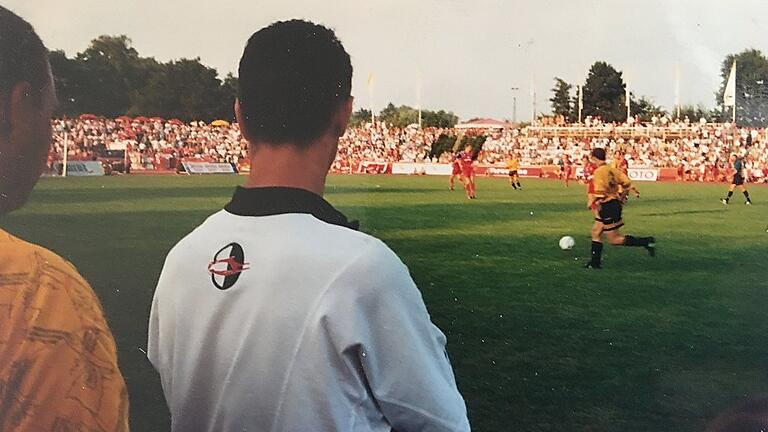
(161, 145)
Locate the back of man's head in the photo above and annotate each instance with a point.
(23, 56)
(294, 76)
(598, 153)
(26, 101)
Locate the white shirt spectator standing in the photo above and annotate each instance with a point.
(276, 314)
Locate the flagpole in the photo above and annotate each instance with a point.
(677, 90)
(418, 97)
(370, 97)
(581, 101)
(533, 95)
(66, 150)
(627, 101)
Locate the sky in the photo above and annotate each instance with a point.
(461, 56)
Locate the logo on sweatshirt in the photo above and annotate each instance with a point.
(227, 266)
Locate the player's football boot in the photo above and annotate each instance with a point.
(651, 248)
(747, 202)
(593, 266)
(724, 201)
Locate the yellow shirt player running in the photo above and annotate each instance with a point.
(606, 198)
(58, 363)
(513, 165)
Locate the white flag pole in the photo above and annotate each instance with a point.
(677, 90)
(66, 151)
(371, 79)
(581, 101)
(418, 100)
(626, 97)
(533, 97)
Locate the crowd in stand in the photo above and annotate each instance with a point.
(151, 144)
(157, 144)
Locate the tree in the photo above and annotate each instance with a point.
(443, 143)
(604, 93)
(70, 78)
(401, 116)
(404, 115)
(229, 89)
(115, 73)
(440, 119)
(646, 109)
(561, 99)
(751, 88)
(694, 113)
(360, 117)
(184, 89)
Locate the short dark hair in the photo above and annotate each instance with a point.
(293, 77)
(598, 153)
(23, 56)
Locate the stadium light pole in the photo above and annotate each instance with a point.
(514, 103)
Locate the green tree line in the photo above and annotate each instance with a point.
(110, 78)
(404, 115)
(604, 95)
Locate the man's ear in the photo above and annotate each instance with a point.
(341, 119)
(243, 126)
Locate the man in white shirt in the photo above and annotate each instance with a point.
(276, 314)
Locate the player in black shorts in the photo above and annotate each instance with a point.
(610, 187)
(739, 178)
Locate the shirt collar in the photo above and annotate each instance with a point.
(274, 200)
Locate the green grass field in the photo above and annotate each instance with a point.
(537, 342)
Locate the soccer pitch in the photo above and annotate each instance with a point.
(537, 342)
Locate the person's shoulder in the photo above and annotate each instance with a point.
(23, 260)
(213, 223)
(26, 255)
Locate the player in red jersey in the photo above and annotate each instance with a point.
(621, 163)
(567, 169)
(465, 159)
(456, 170)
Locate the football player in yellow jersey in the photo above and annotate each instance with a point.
(513, 165)
(610, 187)
(58, 361)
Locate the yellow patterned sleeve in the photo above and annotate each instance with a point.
(58, 360)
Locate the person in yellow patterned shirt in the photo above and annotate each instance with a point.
(513, 165)
(609, 190)
(58, 360)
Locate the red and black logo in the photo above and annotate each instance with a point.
(227, 265)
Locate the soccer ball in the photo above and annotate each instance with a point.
(567, 242)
